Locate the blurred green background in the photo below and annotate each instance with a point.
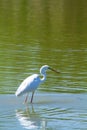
(34, 33)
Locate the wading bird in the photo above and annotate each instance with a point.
(31, 83)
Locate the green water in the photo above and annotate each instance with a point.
(35, 33)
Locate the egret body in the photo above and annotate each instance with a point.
(31, 83)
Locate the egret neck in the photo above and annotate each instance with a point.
(44, 77)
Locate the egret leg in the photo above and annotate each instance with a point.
(26, 98)
(32, 97)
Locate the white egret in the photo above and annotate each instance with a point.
(31, 83)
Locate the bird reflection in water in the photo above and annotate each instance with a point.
(29, 119)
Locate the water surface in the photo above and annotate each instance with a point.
(63, 111)
(35, 33)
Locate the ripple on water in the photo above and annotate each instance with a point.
(51, 111)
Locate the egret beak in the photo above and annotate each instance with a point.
(54, 70)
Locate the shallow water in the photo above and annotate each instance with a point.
(35, 33)
(48, 111)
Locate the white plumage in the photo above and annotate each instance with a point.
(26, 86)
(31, 83)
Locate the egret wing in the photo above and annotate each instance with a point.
(29, 84)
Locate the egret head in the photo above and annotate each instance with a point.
(44, 68)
